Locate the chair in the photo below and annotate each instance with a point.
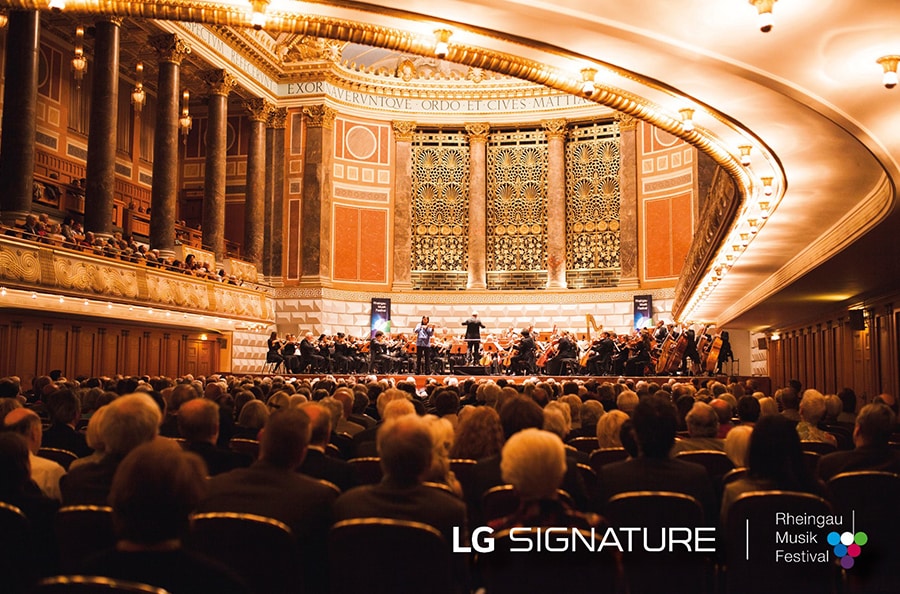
(463, 469)
(733, 475)
(678, 570)
(62, 457)
(365, 557)
(717, 464)
(92, 584)
(817, 446)
(83, 531)
(589, 476)
(867, 501)
(812, 460)
(751, 565)
(603, 456)
(502, 500)
(583, 567)
(17, 555)
(244, 446)
(260, 550)
(584, 444)
(368, 470)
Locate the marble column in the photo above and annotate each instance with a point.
(19, 115)
(556, 203)
(254, 197)
(219, 84)
(274, 208)
(628, 197)
(315, 226)
(164, 194)
(402, 263)
(478, 135)
(101, 153)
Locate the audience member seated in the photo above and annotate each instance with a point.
(45, 473)
(65, 410)
(155, 489)
(128, 422)
(703, 427)
(848, 412)
(272, 487)
(368, 435)
(609, 429)
(748, 410)
(317, 463)
(724, 411)
(737, 444)
(812, 411)
(180, 394)
(654, 425)
(251, 420)
(442, 436)
(790, 403)
(871, 435)
(198, 424)
(775, 461)
(478, 434)
(94, 437)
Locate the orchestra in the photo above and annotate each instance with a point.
(666, 349)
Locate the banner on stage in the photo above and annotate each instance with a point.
(643, 311)
(381, 316)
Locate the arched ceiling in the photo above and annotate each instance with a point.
(807, 96)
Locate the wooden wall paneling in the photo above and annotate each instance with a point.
(109, 359)
(192, 357)
(885, 355)
(57, 348)
(831, 364)
(131, 352)
(45, 338)
(83, 345)
(4, 350)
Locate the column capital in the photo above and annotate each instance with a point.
(170, 47)
(260, 109)
(478, 131)
(626, 121)
(403, 130)
(555, 128)
(219, 81)
(277, 118)
(115, 20)
(319, 116)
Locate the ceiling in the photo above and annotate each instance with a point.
(808, 94)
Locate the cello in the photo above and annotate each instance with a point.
(712, 358)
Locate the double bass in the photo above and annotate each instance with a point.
(711, 362)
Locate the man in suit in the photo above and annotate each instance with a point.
(45, 473)
(65, 410)
(272, 487)
(318, 464)
(198, 423)
(871, 434)
(473, 338)
(655, 424)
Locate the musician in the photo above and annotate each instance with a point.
(725, 352)
(523, 354)
(288, 352)
(343, 355)
(690, 352)
(378, 354)
(620, 354)
(309, 354)
(566, 352)
(639, 354)
(661, 332)
(473, 338)
(274, 353)
(424, 333)
(601, 355)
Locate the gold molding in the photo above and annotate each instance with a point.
(219, 81)
(626, 121)
(319, 116)
(170, 48)
(278, 118)
(403, 130)
(259, 109)
(555, 128)
(478, 131)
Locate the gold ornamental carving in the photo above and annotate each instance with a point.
(278, 118)
(260, 110)
(319, 116)
(20, 265)
(170, 48)
(626, 121)
(478, 131)
(555, 128)
(219, 82)
(403, 130)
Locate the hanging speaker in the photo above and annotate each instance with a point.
(857, 319)
(762, 344)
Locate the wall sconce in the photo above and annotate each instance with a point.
(185, 121)
(4, 20)
(754, 226)
(767, 185)
(765, 19)
(889, 63)
(442, 45)
(587, 78)
(138, 96)
(764, 210)
(56, 5)
(745, 239)
(687, 118)
(745, 149)
(258, 16)
(79, 62)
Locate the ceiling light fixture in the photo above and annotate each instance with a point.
(587, 78)
(767, 185)
(258, 16)
(56, 5)
(745, 149)
(442, 44)
(764, 210)
(79, 62)
(765, 20)
(185, 121)
(687, 118)
(138, 96)
(889, 64)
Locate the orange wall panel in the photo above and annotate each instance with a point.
(346, 244)
(373, 259)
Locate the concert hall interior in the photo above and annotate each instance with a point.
(543, 164)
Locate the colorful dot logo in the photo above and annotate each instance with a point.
(847, 546)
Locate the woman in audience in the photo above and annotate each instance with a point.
(775, 461)
(767, 406)
(609, 429)
(737, 445)
(94, 438)
(442, 441)
(479, 434)
(812, 411)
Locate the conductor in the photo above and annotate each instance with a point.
(473, 338)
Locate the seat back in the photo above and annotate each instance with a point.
(868, 502)
(464, 470)
(92, 584)
(584, 444)
(81, 532)
(368, 469)
(62, 457)
(244, 446)
(603, 456)
(370, 549)
(752, 563)
(817, 446)
(260, 550)
(17, 561)
(502, 500)
(678, 570)
(717, 464)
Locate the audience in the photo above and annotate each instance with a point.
(609, 429)
(812, 411)
(703, 429)
(65, 410)
(478, 435)
(737, 445)
(318, 464)
(871, 434)
(45, 473)
(198, 424)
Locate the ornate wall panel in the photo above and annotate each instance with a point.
(440, 210)
(592, 206)
(516, 208)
